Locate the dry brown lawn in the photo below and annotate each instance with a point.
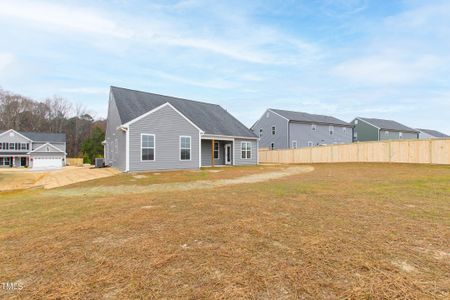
(370, 231)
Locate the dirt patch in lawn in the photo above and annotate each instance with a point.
(19, 179)
(184, 186)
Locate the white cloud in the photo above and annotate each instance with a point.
(62, 17)
(241, 39)
(6, 61)
(408, 48)
(386, 70)
(209, 83)
(85, 90)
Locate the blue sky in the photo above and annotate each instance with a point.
(386, 59)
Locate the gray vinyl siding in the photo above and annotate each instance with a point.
(206, 153)
(424, 135)
(280, 138)
(303, 133)
(114, 156)
(6, 138)
(394, 135)
(167, 126)
(365, 132)
(238, 160)
(60, 146)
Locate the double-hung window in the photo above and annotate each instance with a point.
(185, 148)
(294, 144)
(273, 130)
(216, 150)
(246, 150)
(313, 127)
(331, 129)
(147, 147)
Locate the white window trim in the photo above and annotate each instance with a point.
(313, 127)
(400, 134)
(250, 143)
(331, 130)
(274, 130)
(272, 144)
(310, 144)
(292, 144)
(260, 132)
(190, 148)
(154, 147)
(218, 149)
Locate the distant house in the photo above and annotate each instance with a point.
(371, 129)
(37, 150)
(431, 134)
(147, 132)
(281, 129)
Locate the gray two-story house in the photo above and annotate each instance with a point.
(282, 129)
(371, 129)
(147, 132)
(37, 150)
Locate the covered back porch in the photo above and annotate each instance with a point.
(217, 151)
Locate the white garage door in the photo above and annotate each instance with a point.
(47, 162)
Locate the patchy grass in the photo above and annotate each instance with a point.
(342, 231)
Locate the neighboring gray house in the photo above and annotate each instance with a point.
(147, 132)
(431, 134)
(36, 150)
(371, 129)
(282, 129)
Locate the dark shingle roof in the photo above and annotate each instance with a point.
(43, 136)
(310, 118)
(388, 124)
(434, 133)
(211, 118)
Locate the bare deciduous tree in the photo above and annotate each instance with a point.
(55, 114)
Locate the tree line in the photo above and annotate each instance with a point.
(55, 114)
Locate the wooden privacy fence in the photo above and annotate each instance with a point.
(433, 151)
(78, 162)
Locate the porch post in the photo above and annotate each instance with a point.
(212, 153)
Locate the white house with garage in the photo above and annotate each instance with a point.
(37, 150)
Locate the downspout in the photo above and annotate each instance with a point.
(288, 135)
(127, 147)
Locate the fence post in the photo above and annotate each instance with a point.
(390, 151)
(430, 146)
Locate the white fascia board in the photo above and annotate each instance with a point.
(126, 125)
(227, 137)
(278, 114)
(7, 131)
(368, 123)
(46, 144)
